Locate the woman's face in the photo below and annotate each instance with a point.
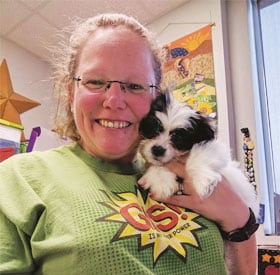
(108, 120)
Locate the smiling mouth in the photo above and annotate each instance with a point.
(113, 123)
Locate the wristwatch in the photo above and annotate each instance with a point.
(244, 233)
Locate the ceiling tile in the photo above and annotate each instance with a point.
(33, 24)
(162, 6)
(61, 12)
(35, 35)
(12, 13)
(34, 4)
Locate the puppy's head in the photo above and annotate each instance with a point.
(170, 129)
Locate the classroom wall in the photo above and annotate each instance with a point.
(30, 77)
(242, 88)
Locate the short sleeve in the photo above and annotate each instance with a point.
(15, 249)
(20, 209)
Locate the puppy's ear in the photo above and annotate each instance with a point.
(202, 128)
(150, 127)
(159, 104)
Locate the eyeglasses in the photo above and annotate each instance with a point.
(101, 86)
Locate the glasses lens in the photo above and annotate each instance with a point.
(135, 88)
(94, 84)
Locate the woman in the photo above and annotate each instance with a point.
(77, 209)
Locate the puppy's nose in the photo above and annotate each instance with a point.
(158, 151)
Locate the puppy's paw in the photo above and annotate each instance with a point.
(161, 182)
(142, 182)
(204, 168)
(205, 187)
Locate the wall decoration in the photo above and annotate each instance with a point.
(189, 71)
(248, 148)
(269, 260)
(12, 104)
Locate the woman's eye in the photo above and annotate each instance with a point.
(95, 83)
(134, 86)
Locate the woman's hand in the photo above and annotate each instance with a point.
(223, 206)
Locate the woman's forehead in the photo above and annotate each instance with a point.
(116, 37)
(116, 49)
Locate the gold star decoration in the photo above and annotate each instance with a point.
(12, 104)
(277, 259)
(266, 258)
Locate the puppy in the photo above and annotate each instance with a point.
(172, 130)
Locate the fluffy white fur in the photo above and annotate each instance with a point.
(206, 162)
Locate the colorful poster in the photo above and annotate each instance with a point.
(189, 71)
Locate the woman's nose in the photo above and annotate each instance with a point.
(114, 96)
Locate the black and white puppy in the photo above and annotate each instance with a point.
(173, 130)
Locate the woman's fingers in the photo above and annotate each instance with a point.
(223, 206)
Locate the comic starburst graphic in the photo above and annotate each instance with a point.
(155, 224)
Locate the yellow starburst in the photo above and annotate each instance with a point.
(156, 224)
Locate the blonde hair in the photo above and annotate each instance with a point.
(66, 58)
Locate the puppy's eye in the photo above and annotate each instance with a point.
(150, 127)
(181, 139)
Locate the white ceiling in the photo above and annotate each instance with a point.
(33, 24)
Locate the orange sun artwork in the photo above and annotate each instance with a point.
(12, 104)
(189, 70)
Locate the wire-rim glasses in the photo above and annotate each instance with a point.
(101, 86)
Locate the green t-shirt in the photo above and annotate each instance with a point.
(66, 212)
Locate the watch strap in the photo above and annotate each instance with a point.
(244, 233)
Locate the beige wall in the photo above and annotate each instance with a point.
(242, 88)
(30, 77)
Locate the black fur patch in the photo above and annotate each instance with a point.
(159, 104)
(183, 139)
(150, 127)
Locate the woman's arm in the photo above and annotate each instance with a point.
(15, 252)
(241, 258)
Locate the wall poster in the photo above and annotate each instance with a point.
(189, 71)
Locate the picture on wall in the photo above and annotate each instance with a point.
(189, 71)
